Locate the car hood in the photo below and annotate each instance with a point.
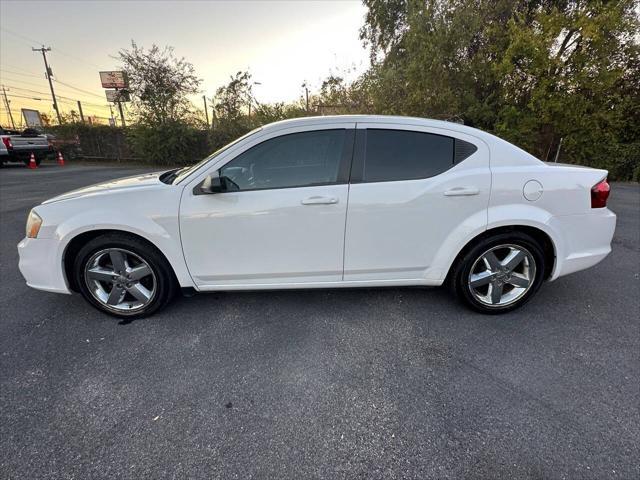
(119, 184)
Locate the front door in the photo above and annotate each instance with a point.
(281, 219)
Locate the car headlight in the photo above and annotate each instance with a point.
(33, 224)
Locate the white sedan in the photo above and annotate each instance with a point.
(344, 201)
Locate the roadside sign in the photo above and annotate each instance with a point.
(114, 79)
(115, 96)
(32, 117)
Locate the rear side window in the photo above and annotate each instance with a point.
(391, 155)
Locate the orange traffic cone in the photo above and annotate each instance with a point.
(60, 159)
(32, 162)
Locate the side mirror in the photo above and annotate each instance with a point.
(211, 184)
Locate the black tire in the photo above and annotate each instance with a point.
(166, 284)
(460, 276)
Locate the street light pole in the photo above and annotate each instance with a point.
(251, 96)
(206, 112)
(306, 91)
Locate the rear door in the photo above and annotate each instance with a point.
(411, 187)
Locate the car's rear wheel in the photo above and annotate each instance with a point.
(500, 273)
(123, 276)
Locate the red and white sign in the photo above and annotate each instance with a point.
(114, 79)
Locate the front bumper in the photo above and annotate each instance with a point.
(586, 240)
(41, 266)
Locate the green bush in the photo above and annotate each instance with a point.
(95, 141)
(170, 143)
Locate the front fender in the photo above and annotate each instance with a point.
(162, 232)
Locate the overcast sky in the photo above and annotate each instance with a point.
(282, 43)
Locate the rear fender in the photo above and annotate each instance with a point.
(503, 216)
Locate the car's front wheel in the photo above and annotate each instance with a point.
(123, 276)
(500, 273)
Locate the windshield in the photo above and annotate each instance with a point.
(175, 176)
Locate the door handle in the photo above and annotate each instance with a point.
(461, 192)
(319, 200)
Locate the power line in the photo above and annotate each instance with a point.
(15, 67)
(92, 109)
(78, 89)
(65, 92)
(27, 89)
(19, 35)
(58, 96)
(31, 98)
(21, 74)
(24, 81)
(56, 50)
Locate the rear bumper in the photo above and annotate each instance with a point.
(24, 153)
(585, 240)
(40, 266)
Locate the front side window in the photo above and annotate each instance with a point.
(391, 155)
(294, 160)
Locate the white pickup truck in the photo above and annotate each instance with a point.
(18, 146)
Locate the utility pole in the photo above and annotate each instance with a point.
(49, 73)
(306, 91)
(113, 119)
(206, 112)
(80, 110)
(6, 102)
(121, 114)
(120, 109)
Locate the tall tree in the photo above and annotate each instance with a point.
(570, 72)
(233, 99)
(531, 70)
(160, 83)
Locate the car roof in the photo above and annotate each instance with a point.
(503, 151)
(393, 119)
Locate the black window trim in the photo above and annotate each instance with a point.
(360, 143)
(344, 167)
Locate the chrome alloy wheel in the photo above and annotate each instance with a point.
(502, 275)
(120, 280)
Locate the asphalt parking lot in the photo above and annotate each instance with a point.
(361, 383)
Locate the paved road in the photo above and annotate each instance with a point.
(370, 383)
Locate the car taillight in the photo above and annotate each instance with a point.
(599, 194)
(7, 143)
